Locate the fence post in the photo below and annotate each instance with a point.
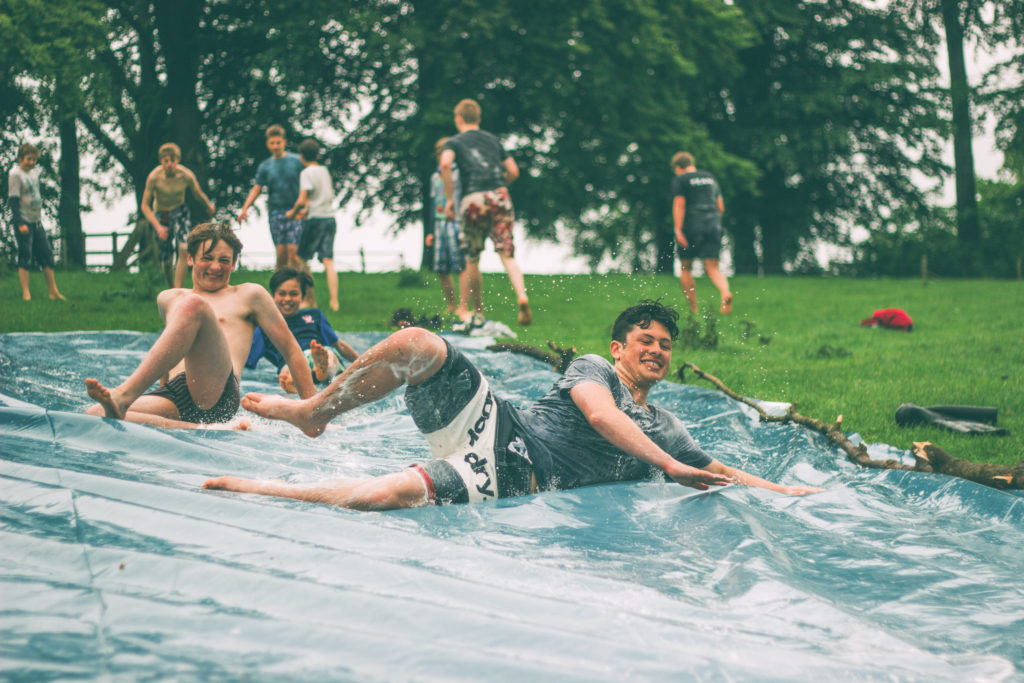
(362, 258)
(113, 247)
(924, 267)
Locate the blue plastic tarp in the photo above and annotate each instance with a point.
(117, 565)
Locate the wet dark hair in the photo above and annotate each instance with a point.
(641, 315)
(216, 232)
(283, 275)
(309, 149)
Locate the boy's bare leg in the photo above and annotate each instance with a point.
(515, 276)
(403, 489)
(687, 283)
(409, 356)
(192, 333)
(51, 282)
(26, 294)
(448, 287)
(474, 288)
(281, 256)
(462, 312)
(719, 280)
(332, 283)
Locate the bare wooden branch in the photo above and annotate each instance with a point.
(927, 456)
(559, 360)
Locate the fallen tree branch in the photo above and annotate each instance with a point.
(927, 456)
(559, 360)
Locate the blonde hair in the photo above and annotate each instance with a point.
(169, 149)
(469, 110)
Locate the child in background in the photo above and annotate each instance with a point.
(318, 341)
(26, 212)
(314, 205)
(444, 238)
(164, 206)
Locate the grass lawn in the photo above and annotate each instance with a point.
(788, 339)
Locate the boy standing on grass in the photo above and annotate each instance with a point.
(444, 238)
(697, 209)
(26, 204)
(280, 175)
(486, 208)
(164, 206)
(314, 206)
(206, 338)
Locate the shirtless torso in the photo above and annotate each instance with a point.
(207, 334)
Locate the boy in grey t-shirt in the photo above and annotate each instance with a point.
(26, 204)
(594, 426)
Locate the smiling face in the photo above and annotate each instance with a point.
(212, 266)
(644, 359)
(28, 162)
(288, 297)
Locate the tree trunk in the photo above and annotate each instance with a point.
(744, 249)
(177, 23)
(664, 233)
(427, 261)
(968, 228)
(69, 215)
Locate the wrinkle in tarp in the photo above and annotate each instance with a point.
(115, 564)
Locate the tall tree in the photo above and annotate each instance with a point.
(836, 107)
(42, 45)
(591, 97)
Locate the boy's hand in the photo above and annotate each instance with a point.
(429, 241)
(211, 209)
(161, 232)
(23, 229)
(449, 210)
(242, 214)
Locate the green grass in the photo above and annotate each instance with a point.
(966, 347)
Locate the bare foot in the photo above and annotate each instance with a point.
(243, 426)
(334, 305)
(58, 295)
(102, 396)
(462, 313)
(525, 317)
(298, 413)
(321, 362)
(286, 382)
(727, 304)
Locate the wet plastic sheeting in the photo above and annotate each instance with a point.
(116, 564)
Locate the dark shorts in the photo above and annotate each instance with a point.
(703, 244)
(317, 238)
(33, 246)
(178, 222)
(478, 455)
(176, 391)
(283, 230)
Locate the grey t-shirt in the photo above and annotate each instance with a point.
(481, 159)
(567, 452)
(25, 186)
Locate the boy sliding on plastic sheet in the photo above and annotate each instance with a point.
(206, 338)
(318, 341)
(594, 426)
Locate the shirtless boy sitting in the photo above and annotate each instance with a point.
(206, 339)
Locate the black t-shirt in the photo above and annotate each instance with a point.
(481, 160)
(700, 190)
